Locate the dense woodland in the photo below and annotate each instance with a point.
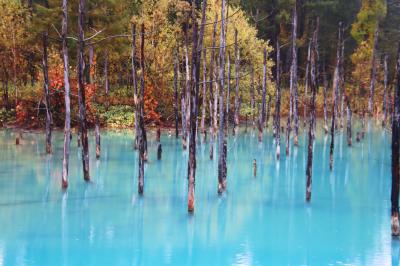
(203, 68)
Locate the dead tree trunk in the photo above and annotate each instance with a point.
(213, 94)
(306, 78)
(325, 96)
(252, 100)
(97, 136)
(187, 85)
(278, 101)
(385, 83)
(67, 123)
(159, 146)
(395, 154)
(348, 122)
(106, 80)
(314, 86)
(336, 84)
(237, 104)
(140, 110)
(293, 76)
(268, 110)
(204, 103)
(373, 75)
(176, 65)
(46, 93)
(221, 134)
(264, 91)
(134, 81)
(228, 94)
(193, 117)
(81, 91)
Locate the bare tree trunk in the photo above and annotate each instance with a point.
(325, 96)
(159, 146)
(193, 117)
(97, 137)
(213, 94)
(306, 78)
(237, 63)
(336, 84)
(314, 86)
(385, 83)
(106, 80)
(252, 96)
(373, 74)
(204, 103)
(67, 126)
(264, 90)
(134, 81)
(221, 135)
(278, 101)
(187, 84)
(81, 92)
(46, 93)
(140, 110)
(268, 110)
(293, 76)
(395, 155)
(176, 104)
(349, 115)
(228, 95)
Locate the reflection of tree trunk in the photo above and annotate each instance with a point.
(67, 126)
(46, 93)
(81, 92)
(395, 155)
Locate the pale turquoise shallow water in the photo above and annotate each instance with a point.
(260, 221)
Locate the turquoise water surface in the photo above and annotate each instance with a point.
(259, 221)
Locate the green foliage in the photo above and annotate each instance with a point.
(6, 116)
(117, 116)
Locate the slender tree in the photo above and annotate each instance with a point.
(385, 84)
(306, 78)
(314, 86)
(46, 92)
(278, 101)
(237, 63)
(97, 137)
(134, 80)
(349, 115)
(213, 94)
(252, 96)
(81, 91)
(293, 76)
(204, 95)
(395, 154)
(67, 125)
(325, 96)
(140, 110)
(222, 143)
(264, 92)
(176, 112)
(336, 84)
(373, 73)
(228, 94)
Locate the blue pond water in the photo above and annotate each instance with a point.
(260, 221)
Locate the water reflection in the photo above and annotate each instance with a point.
(260, 221)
